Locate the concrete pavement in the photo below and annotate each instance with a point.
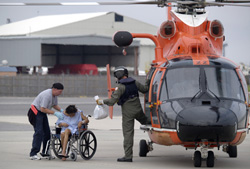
(16, 137)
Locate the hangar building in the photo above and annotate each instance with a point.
(84, 38)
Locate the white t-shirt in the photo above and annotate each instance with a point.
(45, 99)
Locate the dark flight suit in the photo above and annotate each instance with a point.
(131, 109)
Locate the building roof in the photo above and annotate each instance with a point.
(39, 23)
(32, 26)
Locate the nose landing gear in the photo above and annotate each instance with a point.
(205, 155)
(198, 159)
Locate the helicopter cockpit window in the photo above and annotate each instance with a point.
(182, 82)
(224, 83)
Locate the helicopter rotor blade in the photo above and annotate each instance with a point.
(159, 3)
(226, 4)
(233, 1)
(149, 2)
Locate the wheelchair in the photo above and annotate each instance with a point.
(83, 143)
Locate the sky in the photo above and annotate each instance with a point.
(236, 20)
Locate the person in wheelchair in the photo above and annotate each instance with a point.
(71, 124)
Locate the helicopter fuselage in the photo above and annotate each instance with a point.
(196, 95)
(189, 104)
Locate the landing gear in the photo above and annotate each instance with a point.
(144, 148)
(210, 159)
(204, 155)
(232, 151)
(197, 159)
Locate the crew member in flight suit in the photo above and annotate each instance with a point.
(126, 95)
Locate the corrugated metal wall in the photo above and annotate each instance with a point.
(74, 85)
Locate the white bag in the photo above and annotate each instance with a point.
(99, 112)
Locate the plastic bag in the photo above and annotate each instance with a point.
(99, 112)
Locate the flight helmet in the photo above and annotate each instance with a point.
(120, 71)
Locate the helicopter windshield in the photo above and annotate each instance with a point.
(224, 83)
(183, 82)
(186, 83)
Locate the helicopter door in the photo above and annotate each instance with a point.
(155, 95)
(146, 100)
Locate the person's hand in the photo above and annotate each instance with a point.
(61, 110)
(59, 115)
(64, 125)
(99, 102)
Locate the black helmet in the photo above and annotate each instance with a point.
(120, 72)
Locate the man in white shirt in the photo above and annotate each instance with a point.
(40, 107)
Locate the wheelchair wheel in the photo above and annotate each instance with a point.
(57, 147)
(73, 156)
(87, 145)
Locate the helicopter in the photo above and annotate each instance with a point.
(197, 98)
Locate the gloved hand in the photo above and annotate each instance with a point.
(61, 110)
(59, 115)
(99, 102)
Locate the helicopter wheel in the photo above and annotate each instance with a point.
(197, 159)
(210, 159)
(143, 148)
(232, 151)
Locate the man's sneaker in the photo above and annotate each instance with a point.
(35, 157)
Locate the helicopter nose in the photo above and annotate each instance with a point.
(214, 124)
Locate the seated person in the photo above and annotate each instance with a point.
(71, 123)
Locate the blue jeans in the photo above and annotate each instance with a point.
(42, 133)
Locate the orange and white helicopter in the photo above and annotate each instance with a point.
(197, 98)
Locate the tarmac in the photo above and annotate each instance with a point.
(16, 138)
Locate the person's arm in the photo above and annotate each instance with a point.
(115, 95)
(47, 111)
(85, 120)
(56, 107)
(143, 88)
(63, 125)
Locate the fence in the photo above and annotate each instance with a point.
(74, 85)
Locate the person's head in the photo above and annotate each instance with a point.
(71, 110)
(120, 72)
(57, 89)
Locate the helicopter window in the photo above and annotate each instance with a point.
(164, 94)
(244, 84)
(182, 82)
(155, 86)
(224, 83)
